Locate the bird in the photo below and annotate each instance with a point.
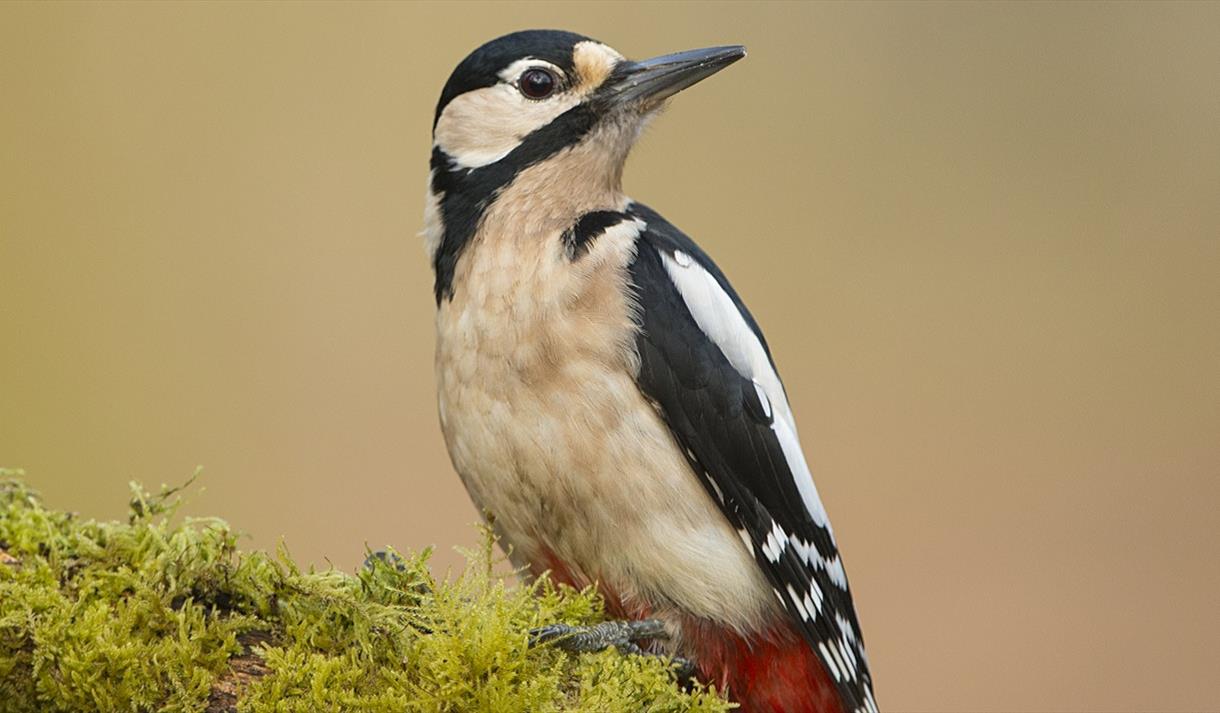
(606, 397)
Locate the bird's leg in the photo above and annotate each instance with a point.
(622, 635)
(587, 639)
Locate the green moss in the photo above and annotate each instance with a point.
(156, 614)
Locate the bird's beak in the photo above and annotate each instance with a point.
(649, 82)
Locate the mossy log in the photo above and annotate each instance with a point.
(162, 613)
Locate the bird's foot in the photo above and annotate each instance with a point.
(587, 639)
(622, 635)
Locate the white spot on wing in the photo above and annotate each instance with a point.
(829, 660)
(712, 482)
(843, 660)
(816, 592)
(809, 607)
(834, 568)
(745, 537)
(846, 628)
(800, 607)
(768, 548)
(812, 558)
(849, 653)
(868, 700)
(780, 537)
(776, 542)
(763, 398)
(802, 548)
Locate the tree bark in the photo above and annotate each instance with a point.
(243, 669)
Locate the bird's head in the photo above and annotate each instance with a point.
(536, 92)
(560, 105)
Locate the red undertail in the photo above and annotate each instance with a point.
(773, 672)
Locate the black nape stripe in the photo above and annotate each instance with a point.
(466, 193)
(579, 238)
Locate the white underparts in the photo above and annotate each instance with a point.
(544, 421)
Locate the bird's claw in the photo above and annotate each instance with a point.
(684, 670)
(622, 635)
(586, 639)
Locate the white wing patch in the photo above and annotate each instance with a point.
(719, 319)
(807, 581)
(763, 399)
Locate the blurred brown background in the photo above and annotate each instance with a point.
(984, 241)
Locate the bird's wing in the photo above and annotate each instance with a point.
(707, 368)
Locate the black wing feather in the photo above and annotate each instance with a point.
(716, 415)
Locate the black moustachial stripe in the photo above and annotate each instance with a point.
(466, 193)
(578, 238)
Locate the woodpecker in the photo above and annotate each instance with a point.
(605, 394)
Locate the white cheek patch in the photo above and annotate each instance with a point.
(484, 125)
(719, 319)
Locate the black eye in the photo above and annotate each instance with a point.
(537, 83)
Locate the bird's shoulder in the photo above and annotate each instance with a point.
(660, 236)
